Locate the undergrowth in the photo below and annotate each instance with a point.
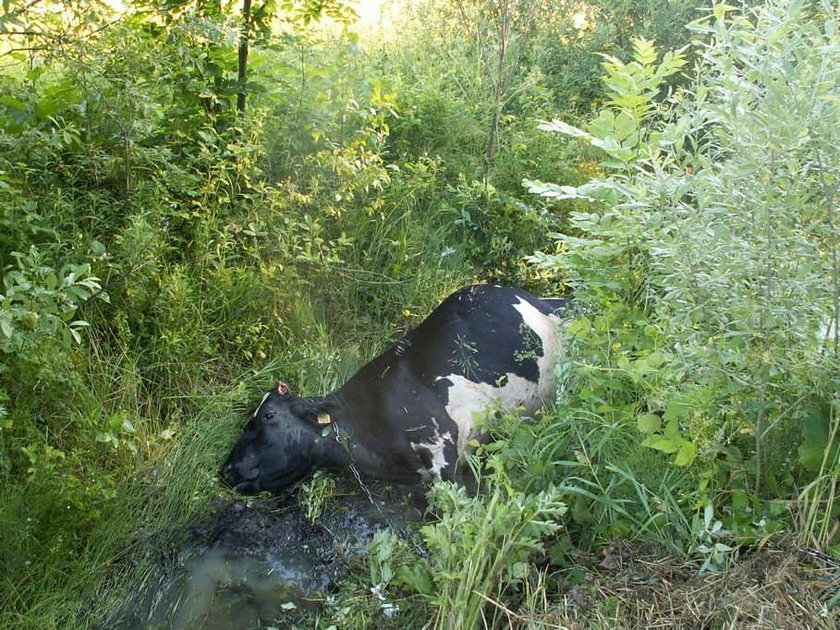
(168, 252)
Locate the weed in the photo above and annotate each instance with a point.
(463, 359)
(315, 494)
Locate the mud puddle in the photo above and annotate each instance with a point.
(261, 563)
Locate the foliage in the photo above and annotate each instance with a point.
(166, 254)
(486, 69)
(714, 552)
(315, 495)
(40, 301)
(150, 261)
(570, 49)
(476, 548)
(702, 281)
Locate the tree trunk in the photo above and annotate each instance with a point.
(244, 39)
(499, 87)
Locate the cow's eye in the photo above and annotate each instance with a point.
(268, 417)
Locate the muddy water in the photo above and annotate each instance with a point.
(220, 589)
(262, 563)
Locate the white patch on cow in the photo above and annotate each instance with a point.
(546, 328)
(262, 402)
(437, 450)
(468, 399)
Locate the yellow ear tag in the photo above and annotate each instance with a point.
(324, 418)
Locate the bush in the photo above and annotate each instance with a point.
(477, 548)
(710, 271)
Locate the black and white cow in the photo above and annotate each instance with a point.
(408, 414)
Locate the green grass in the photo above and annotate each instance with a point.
(166, 485)
(160, 494)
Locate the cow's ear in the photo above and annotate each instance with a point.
(282, 388)
(314, 411)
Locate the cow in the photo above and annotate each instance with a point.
(407, 415)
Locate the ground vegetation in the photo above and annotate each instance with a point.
(197, 198)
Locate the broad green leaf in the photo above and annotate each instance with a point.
(811, 455)
(12, 102)
(655, 359)
(416, 577)
(649, 423)
(661, 443)
(603, 126)
(677, 408)
(815, 438)
(6, 327)
(519, 570)
(672, 429)
(581, 325)
(686, 453)
(720, 10)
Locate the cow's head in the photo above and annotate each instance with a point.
(278, 446)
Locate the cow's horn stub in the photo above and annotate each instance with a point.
(282, 388)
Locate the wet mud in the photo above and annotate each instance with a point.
(259, 563)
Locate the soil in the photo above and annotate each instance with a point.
(261, 562)
(629, 586)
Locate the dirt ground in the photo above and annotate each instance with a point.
(626, 586)
(767, 589)
(238, 565)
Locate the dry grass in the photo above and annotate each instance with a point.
(768, 589)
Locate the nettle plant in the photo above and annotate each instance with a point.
(707, 269)
(479, 547)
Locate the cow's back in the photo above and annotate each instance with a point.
(483, 346)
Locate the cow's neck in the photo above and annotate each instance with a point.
(342, 447)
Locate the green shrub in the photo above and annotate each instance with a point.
(476, 548)
(709, 272)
